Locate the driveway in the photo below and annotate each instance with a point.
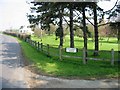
(15, 75)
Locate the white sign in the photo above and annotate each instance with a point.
(74, 50)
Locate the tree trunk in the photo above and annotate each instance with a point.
(118, 33)
(60, 25)
(71, 27)
(119, 44)
(48, 30)
(96, 32)
(84, 31)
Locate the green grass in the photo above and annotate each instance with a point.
(103, 44)
(54, 67)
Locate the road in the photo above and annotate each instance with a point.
(15, 75)
(12, 72)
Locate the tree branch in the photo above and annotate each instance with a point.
(86, 18)
(104, 24)
(66, 21)
(89, 21)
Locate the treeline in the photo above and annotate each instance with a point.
(104, 31)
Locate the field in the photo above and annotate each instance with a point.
(66, 68)
(104, 44)
(104, 52)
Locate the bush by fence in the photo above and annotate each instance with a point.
(19, 35)
(10, 33)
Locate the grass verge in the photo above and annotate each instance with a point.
(53, 67)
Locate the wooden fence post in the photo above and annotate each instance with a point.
(38, 45)
(112, 60)
(84, 55)
(35, 44)
(41, 47)
(60, 52)
(48, 49)
(26, 40)
(30, 42)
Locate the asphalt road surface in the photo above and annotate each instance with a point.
(13, 73)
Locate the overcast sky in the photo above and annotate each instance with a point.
(13, 12)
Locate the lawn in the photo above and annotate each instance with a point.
(103, 43)
(67, 68)
(104, 46)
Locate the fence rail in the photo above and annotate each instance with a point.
(46, 49)
(59, 52)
